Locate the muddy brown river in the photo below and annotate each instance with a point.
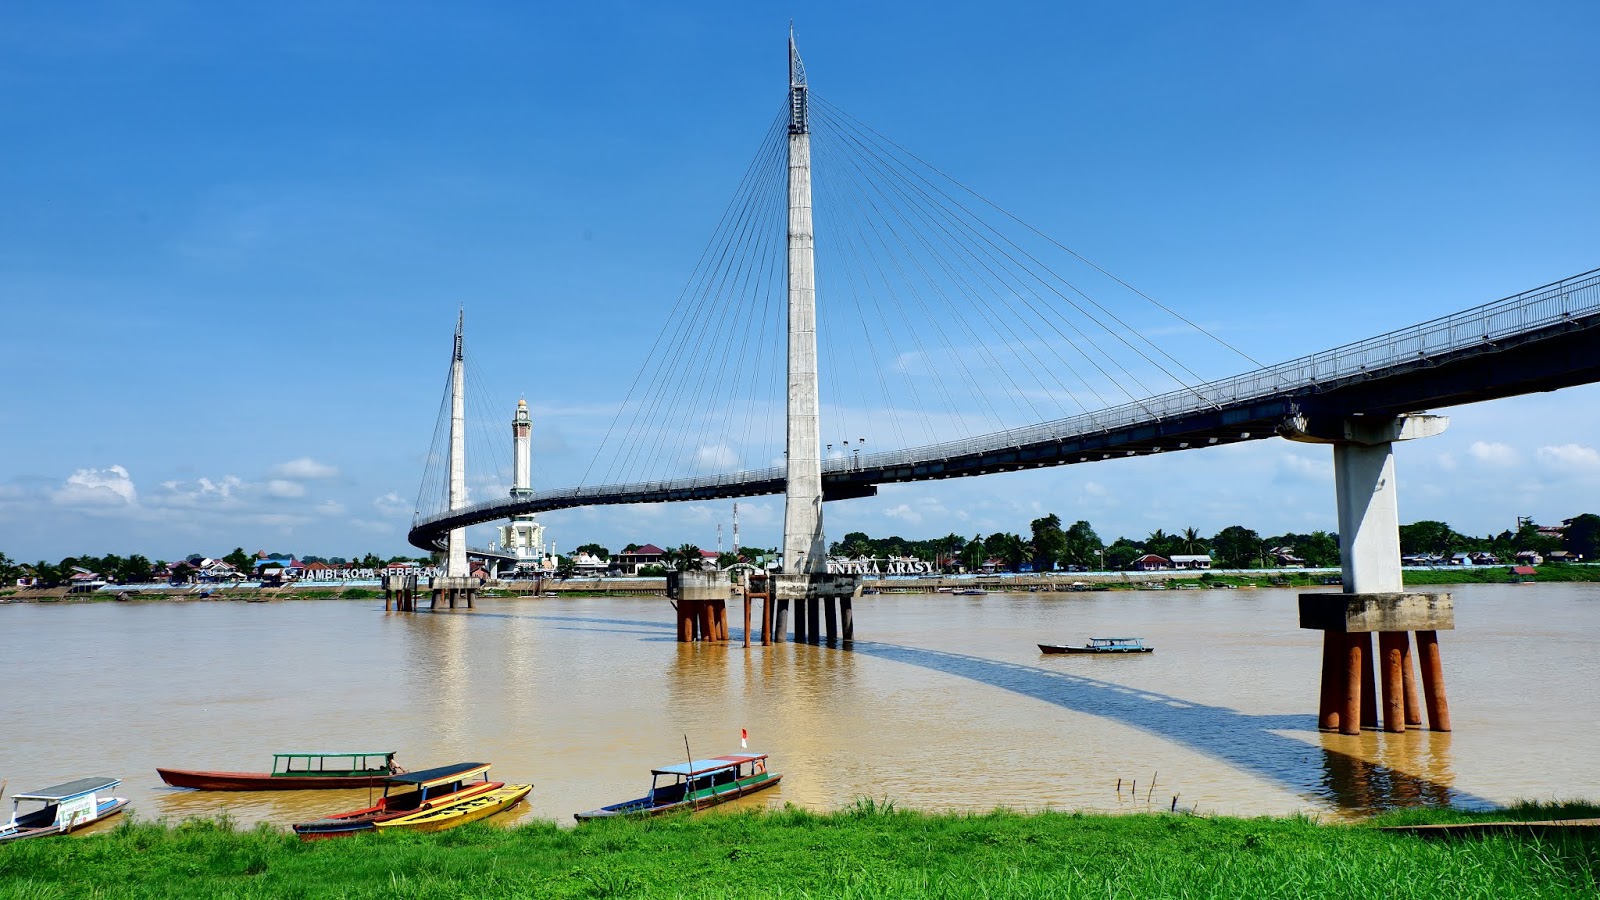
(944, 703)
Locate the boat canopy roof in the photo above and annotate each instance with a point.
(1117, 640)
(71, 789)
(441, 774)
(384, 753)
(714, 764)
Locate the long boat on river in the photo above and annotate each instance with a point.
(696, 784)
(62, 808)
(1101, 645)
(459, 812)
(295, 772)
(403, 795)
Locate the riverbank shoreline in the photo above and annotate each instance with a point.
(869, 850)
(1218, 579)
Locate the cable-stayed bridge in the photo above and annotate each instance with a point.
(1540, 340)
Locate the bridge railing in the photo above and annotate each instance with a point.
(1510, 316)
(1530, 310)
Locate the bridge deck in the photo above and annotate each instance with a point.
(1539, 340)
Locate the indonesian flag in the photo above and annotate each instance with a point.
(744, 739)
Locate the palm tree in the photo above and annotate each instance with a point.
(1015, 551)
(1190, 538)
(689, 557)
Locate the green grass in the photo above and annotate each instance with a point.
(1501, 574)
(870, 851)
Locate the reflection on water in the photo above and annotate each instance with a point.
(949, 705)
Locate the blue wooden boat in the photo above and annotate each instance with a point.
(693, 785)
(62, 808)
(1101, 645)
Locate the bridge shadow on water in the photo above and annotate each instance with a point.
(1336, 771)
(1337, 775)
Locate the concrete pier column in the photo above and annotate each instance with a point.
(1350, 711)
(780, 624)
(747, 619)
(1391, 657)
(801, 620)
(1332, 702)
(813, 619)
(1408, 671)
(1433, 681)
(847, 619)
(831, 608)
(1369, 682)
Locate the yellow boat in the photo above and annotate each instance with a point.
(481, 806)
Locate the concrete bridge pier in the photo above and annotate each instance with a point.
(452, 591)
(814, 594)
(701, 599)
(400, 591)
(1374, 597)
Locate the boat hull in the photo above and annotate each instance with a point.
(262, 781)
(106, 808)
(363, 820)
(705, 800)
(460, 813)
(1106, 651)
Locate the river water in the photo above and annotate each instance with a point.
(944, 703)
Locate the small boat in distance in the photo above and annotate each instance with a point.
(696, 784)
(295, 772)
(403, 795)
(1101, 645)
(460, 811)
(64, 807)
(971, 592)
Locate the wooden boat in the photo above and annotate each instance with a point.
(402, 795)
(695, 785)
(295, 772)
(1101, 645)
(462, 811)
(64, 807)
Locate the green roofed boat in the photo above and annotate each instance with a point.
(295, 772)
(695, 785)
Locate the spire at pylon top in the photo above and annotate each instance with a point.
(461, 319)
(798, 112)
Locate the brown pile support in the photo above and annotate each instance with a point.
(1350, 698)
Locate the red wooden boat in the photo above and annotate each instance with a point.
(295, 772)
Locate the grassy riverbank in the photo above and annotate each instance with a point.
(864, 852)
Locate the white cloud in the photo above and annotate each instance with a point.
(715, 458)
(905, 513)
(108, 488)
(1570, 458)
(1298, 466)
(1494, 453)
(279, 487)
(331, 508)
(303, 469)
(392, 504)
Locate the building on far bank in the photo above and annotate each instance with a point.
(628, 562)
(1151, 562)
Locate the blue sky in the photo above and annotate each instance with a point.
(233, 241)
